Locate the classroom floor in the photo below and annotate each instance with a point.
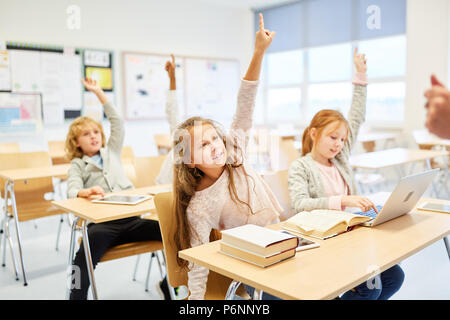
(46, 270)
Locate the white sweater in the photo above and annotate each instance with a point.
(213, 207)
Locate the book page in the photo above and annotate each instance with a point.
(257, 235)
(321, 220)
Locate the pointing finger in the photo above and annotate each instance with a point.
(261, 22)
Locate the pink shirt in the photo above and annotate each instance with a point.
(334, 185)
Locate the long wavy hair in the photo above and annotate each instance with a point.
(186, 180)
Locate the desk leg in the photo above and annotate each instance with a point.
(16, 220)
(71, 254)
(90, 267)
(447, 245)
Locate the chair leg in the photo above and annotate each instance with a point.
(159, 265)
(136, 266)
(447, 245)
(71, 255)
(231, 292)
(148, 271)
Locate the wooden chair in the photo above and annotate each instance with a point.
(278, 182)
(29, 194)
(147, 169)
(217, 285)
(9, 147)
(163, 143)
(57, 152)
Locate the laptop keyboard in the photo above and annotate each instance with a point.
(371, 213)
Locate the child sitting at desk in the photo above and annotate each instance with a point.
(96, 168)
(214, 186)
(322, 178)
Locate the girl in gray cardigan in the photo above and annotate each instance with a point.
(322, 178)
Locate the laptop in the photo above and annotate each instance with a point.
(403, 199)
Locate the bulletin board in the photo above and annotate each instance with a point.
(55, 73)
(205, 86)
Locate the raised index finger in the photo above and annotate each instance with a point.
(261, 22)
(173, 58)
(356, 52)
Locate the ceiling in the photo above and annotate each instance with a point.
(251, 4)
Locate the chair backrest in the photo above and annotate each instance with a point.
(57, 152)
(147, 169)
(278, 183)
(29, 194)
(9, 147)
(164, 204)
(127, 154)
(163, 143)
(217, 284)
(287, 154)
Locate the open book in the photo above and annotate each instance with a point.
(323, 223)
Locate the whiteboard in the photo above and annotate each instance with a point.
(147, 83)
(212, 86)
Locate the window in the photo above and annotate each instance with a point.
(335, 96)
(285, 68)
(385, 103)
(283, 104)
(330, 63)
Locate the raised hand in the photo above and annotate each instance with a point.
(264, 37)
(360, 61)
(170, 67)
(92, 86)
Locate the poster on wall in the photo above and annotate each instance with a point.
(147, 84)
(20, 113)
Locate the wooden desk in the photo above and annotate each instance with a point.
(424, 138)
(89, 211)
(339, 264)
(15, 175)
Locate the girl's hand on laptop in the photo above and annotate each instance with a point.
(358, 201)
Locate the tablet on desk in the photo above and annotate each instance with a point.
(432, 206)
(303, 244)
(122, 199)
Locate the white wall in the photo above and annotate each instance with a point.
(183, 27)
(427, 32)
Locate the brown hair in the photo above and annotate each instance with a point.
(186, 180)
(320, 120)
(72, 151)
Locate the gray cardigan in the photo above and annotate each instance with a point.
(305, 181)
(85, 173)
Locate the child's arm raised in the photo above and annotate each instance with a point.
(242, 120)
(357, 113)
(172, 102)
(117, 135)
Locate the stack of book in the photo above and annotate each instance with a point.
(258, 245)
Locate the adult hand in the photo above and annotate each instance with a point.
(438, 109)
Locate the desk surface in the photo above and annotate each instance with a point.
(339, 264)
(59, 170)
(102, 212)
(423, 137)
(392, 157)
